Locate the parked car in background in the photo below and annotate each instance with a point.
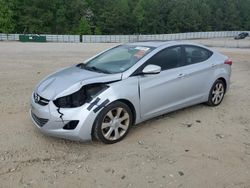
(125, 85)
(241, 36)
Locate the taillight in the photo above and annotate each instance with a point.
(228, 62)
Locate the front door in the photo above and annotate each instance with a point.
(160, 91)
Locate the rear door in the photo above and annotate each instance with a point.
(197, 73)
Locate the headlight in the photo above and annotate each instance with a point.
(77, 99)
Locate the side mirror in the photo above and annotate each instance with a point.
(151, 69)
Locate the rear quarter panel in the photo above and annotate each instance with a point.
(221, 70)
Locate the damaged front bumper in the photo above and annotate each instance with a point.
(52, 120)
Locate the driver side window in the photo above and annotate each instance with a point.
(168, 58)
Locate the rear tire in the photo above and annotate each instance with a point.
(113, 123)
(217, 93)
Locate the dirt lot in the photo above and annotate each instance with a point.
(194, 147)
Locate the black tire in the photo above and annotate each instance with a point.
(99, 131)
(214, 91)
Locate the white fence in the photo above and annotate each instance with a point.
(63, 38)
(177, 36)
(49, 38)
(201, 37)
(11, 37)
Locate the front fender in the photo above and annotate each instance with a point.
(122, 90)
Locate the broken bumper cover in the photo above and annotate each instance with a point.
(50, 120)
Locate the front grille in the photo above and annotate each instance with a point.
(39, 121)
(40, 100)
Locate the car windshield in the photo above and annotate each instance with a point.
(118, 59)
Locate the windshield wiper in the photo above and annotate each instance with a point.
(95, 69)
(92, 68)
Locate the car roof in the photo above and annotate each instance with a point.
(154, 44)
(157, 44)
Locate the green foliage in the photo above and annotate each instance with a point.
(139, 16)
(84, 28)
(114, 17)
(97, 31)
(122, 16)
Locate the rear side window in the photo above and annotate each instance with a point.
(195, 54)
(167, 59)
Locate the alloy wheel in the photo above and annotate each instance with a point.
(115, 123)
(218, 93)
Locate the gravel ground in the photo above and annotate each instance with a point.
(198, 146)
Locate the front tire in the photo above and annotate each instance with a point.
(113, 123)
(217, 93)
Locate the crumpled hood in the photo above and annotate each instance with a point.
(69, 80)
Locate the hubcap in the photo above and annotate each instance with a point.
(115, 123)
(218, 93)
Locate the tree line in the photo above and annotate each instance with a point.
(122, 16)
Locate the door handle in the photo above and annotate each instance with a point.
(181, 75)
(213, 65)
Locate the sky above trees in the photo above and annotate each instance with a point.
(122, 16)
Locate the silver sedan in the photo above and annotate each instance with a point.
(102, 97)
